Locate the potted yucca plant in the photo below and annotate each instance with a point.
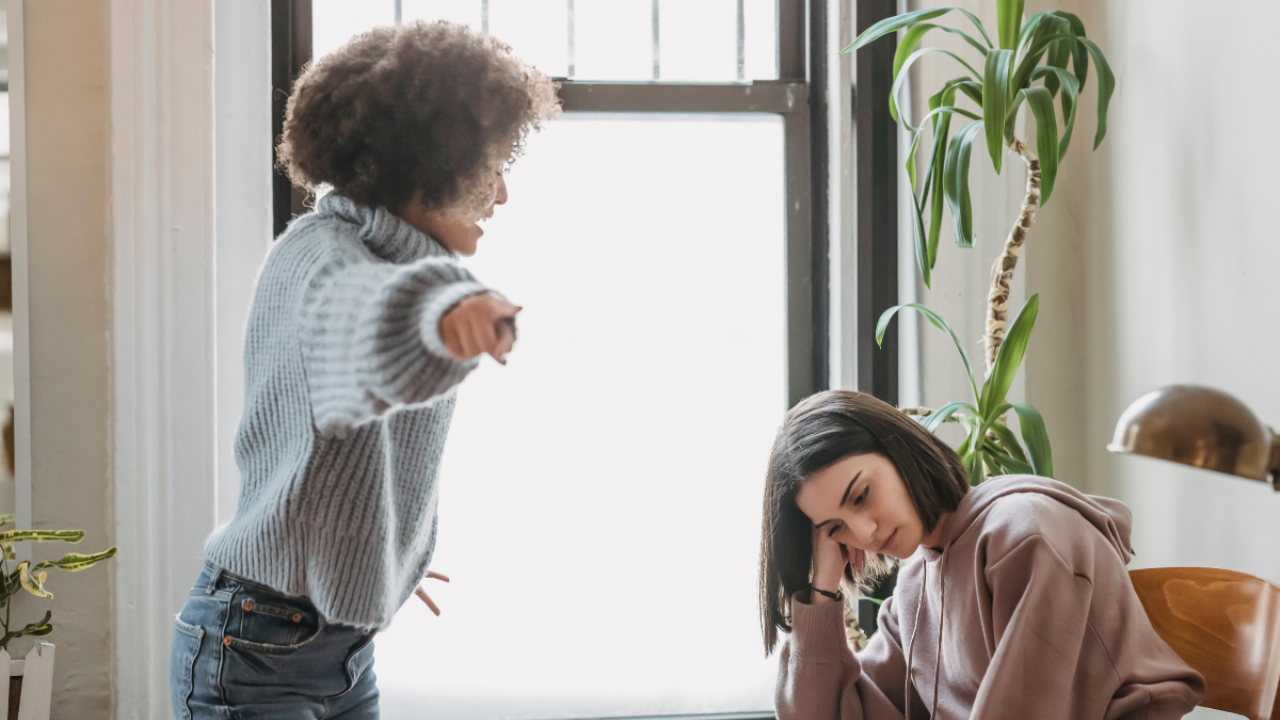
(29, 576)
(1041, 62)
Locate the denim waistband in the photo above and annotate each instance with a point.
(219, 578)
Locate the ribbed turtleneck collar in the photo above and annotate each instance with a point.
(386, 235)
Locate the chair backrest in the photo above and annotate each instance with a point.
(1225, 625)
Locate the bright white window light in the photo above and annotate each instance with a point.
(600, 498)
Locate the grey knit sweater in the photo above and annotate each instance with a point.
(348, 397)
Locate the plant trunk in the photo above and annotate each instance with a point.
(1002, 271)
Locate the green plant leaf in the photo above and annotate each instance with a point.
(75, 562)
(1070, 88)
(1079, 54)
(7, 519)
(918, 233)
(887, 316)
(1009, 358)
(1036, 437)
(37, 629)
(1008, 464)
(10, 587)
(995, 101)
(1008, 441)
(68, 536)
(936, 197)
(897, 22)
(1028, 27)
(1040, 100)
(1058, 57)
(907, 45)
(956, 182)
(940, 415)
(901, 80)
(1106, 87)
(972, 89)
(42, 627)
(1009, 22)
(970, 423)
(32, 581)
(1048, 30)
(974, 463)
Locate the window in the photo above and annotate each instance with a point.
(669, 237)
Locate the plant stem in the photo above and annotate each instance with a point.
(1002, 270)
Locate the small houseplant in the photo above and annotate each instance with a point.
(31, 577)
(1029, 66)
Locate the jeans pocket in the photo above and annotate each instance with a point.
(263, 622)
(182, 661)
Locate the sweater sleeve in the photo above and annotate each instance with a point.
(1066, 649)
(820, 678)
(370, 337)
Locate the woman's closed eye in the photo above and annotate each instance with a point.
(832, 532)
(862, 496)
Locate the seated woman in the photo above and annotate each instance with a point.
(1017, 605)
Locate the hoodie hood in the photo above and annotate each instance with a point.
(1111, 517)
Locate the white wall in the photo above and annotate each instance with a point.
(67, 116)
(1180, 265)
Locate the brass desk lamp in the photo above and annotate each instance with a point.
(1200, 427)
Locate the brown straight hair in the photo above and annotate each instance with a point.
(824, 429)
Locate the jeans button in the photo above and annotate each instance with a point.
(248, 606)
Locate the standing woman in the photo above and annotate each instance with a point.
(361, 327)
(1013, 601)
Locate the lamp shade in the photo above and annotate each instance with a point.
(1200, 427)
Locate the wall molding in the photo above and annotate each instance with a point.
(163, 318)
(18, 251)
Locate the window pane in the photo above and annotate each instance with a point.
(537, 30)
(611, 39)
(600, 495)
(463, 12)
(699, 40)
(334, 22)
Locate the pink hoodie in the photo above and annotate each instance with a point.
(1027, 612)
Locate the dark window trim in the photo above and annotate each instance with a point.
(290, 52)
(875, 205)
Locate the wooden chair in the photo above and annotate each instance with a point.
(1224, 624)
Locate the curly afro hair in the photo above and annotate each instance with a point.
(433, 107)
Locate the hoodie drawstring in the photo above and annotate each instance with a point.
(911, 644)
(942, 621)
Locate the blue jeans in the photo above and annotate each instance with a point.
(243, 651)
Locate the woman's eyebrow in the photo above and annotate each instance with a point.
(849, 489)
(845, 498)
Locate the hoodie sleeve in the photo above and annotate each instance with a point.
(1072, 639)
(819, 677)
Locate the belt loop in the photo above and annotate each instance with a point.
(213, 580)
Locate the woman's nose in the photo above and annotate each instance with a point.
(500, 198)
(864, 532)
